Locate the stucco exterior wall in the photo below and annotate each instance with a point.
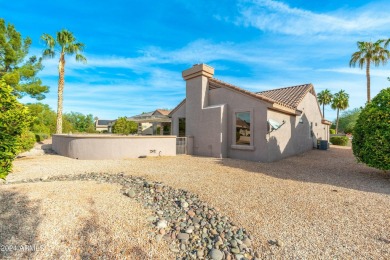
(179, 113)
(299, 134)
(236, 102)
(205, 123)
(291, 138)
(96, 147)
(101, 128)
(312, 112)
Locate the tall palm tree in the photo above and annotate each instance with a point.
(369, 52)
(324, 98)
(66, 44)
(340, 102)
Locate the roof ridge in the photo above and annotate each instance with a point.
(301, 85)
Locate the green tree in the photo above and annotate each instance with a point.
(16, 69)
(348, 120)
(81, 123)
(340, 102)
(369, 52)
(66, 44)
(371, 135)
(324, 98)
(14, 122)
(44, 119)
(123, 126)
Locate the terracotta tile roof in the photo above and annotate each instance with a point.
(283, 99)
(290, 96)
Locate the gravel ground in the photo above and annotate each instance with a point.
(320, 204)
(74, 220)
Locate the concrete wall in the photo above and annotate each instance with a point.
(95, 147)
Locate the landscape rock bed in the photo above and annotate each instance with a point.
(192, 228)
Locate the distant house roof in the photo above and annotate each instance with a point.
(289, 96)
(242, 124)
(104, 122)
(159, 115)
(164, 112)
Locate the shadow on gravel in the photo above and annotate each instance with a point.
(94, 241)
(336, 167)
(19, 220)
(47, 149)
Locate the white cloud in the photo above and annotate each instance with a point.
(275, 16)
(374, 72)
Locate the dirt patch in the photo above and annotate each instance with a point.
(75, 220)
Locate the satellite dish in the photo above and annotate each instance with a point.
(275, 125)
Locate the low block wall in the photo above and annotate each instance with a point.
(95, 147)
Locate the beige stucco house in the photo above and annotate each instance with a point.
(223, 120)
(156, 122)
(103, 125)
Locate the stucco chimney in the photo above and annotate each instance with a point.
(198, 70)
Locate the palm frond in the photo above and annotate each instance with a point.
(48, 53)
(81, 58)
(49, 40)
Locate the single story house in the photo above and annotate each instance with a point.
(103, 125)
(223, 120)
(153, 123)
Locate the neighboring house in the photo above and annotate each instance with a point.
(226, 121)
(103, 125)
(153, 123)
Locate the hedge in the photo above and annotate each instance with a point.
(26, 141)
(339, 140)
(371, 135)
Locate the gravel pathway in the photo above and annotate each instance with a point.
(321, 204)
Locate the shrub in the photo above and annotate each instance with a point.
(26, 141)
(39, 137)
(332, 131)
(14, 120)
(125, 127)
(339, 140)
(371, 135)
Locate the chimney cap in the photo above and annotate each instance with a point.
(198, 70)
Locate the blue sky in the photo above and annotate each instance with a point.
(136, 50)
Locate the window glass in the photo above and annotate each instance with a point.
(243, 128)
(182, 127)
